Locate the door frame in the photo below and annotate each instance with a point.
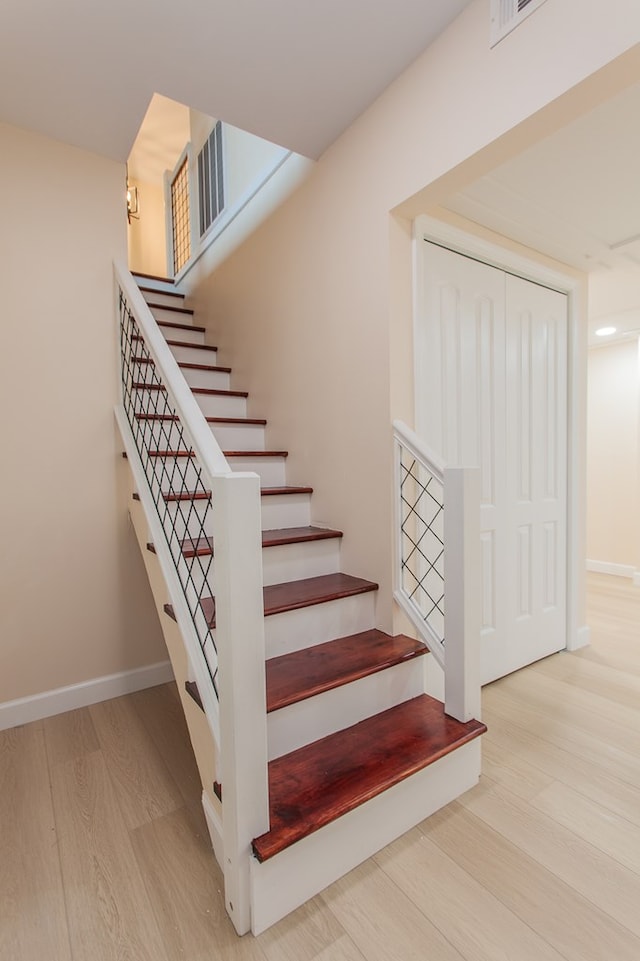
(569, 282)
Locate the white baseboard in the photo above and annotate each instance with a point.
(26, 709)
(582, 638)
(214, 823)
(617, 570)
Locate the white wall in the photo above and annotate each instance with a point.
(613, 479)
(74, 603)
(314, 310)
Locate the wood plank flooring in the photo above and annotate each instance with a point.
(104, 853)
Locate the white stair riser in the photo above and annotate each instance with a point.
(158, 297)
(217, 405)
(229, 437)
(271, 470)
(211, 379)
(316, 717)
(285, 510)
(193, 354)
(278, 510)
(307, 626)
(189, 336)
(171, 316)
(301, 871)
(291, 562)
(283, 563)
(239, 436)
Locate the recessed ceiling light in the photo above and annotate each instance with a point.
(605, 331)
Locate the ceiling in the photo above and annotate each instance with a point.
(296, 72)
(576, 197)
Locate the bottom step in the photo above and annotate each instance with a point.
(320, 782)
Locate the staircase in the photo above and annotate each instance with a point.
(357, 752)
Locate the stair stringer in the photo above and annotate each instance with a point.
(204, 745)
(290, 878)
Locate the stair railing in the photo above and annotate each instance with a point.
(437, 564)
(173, 456)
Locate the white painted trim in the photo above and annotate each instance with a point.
(581, 639)
(62, 699)
(617, 570)
(214, 824)
(439, 232)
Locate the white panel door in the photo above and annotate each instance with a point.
(491, 392)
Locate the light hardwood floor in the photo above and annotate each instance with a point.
(104, 853)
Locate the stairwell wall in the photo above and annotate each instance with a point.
(76, 604)
(314, 310)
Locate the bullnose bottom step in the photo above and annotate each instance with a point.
(320, 782)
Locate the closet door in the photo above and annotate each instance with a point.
(491, 392)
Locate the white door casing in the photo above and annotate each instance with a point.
(491, 383)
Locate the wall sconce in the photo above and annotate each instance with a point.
(132, 203)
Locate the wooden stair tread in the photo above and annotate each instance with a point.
(185, 365)
(154, 290)
(169, 323)
(302, 674)
(256, 453)
(175, 310)
(293, 595)
(274, 491)
(195, 390)
(320, 782)
(206, 495)
(185, 343)
(227, 453)
(201, 546)
(240, 421)
(164, 280)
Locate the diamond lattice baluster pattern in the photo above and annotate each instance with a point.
(174, 476)
(422, 540)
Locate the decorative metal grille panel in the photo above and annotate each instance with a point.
(211, 179)
(422, 541)
(174, 477)
(180, 217)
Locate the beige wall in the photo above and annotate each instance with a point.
(147, 236)
(613, 481)
(314, 310)
(75, 603)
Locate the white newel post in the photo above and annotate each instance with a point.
(241, 664)
(462, 592)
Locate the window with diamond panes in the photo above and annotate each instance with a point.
(180, 219)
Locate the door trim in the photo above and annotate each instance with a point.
(568, 282)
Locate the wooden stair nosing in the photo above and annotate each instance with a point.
(174, 310)
(294, 595)
(206, 495)
(185, 343)
(202, 546)
(169, 323)
(192, 690)
(227, 453)
(163, 280)
(154, 290)
(320, 782)
(208, 391)
(185, 365)
(302, 674)
(239, 421)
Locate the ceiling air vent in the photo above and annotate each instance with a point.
(507, 14)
